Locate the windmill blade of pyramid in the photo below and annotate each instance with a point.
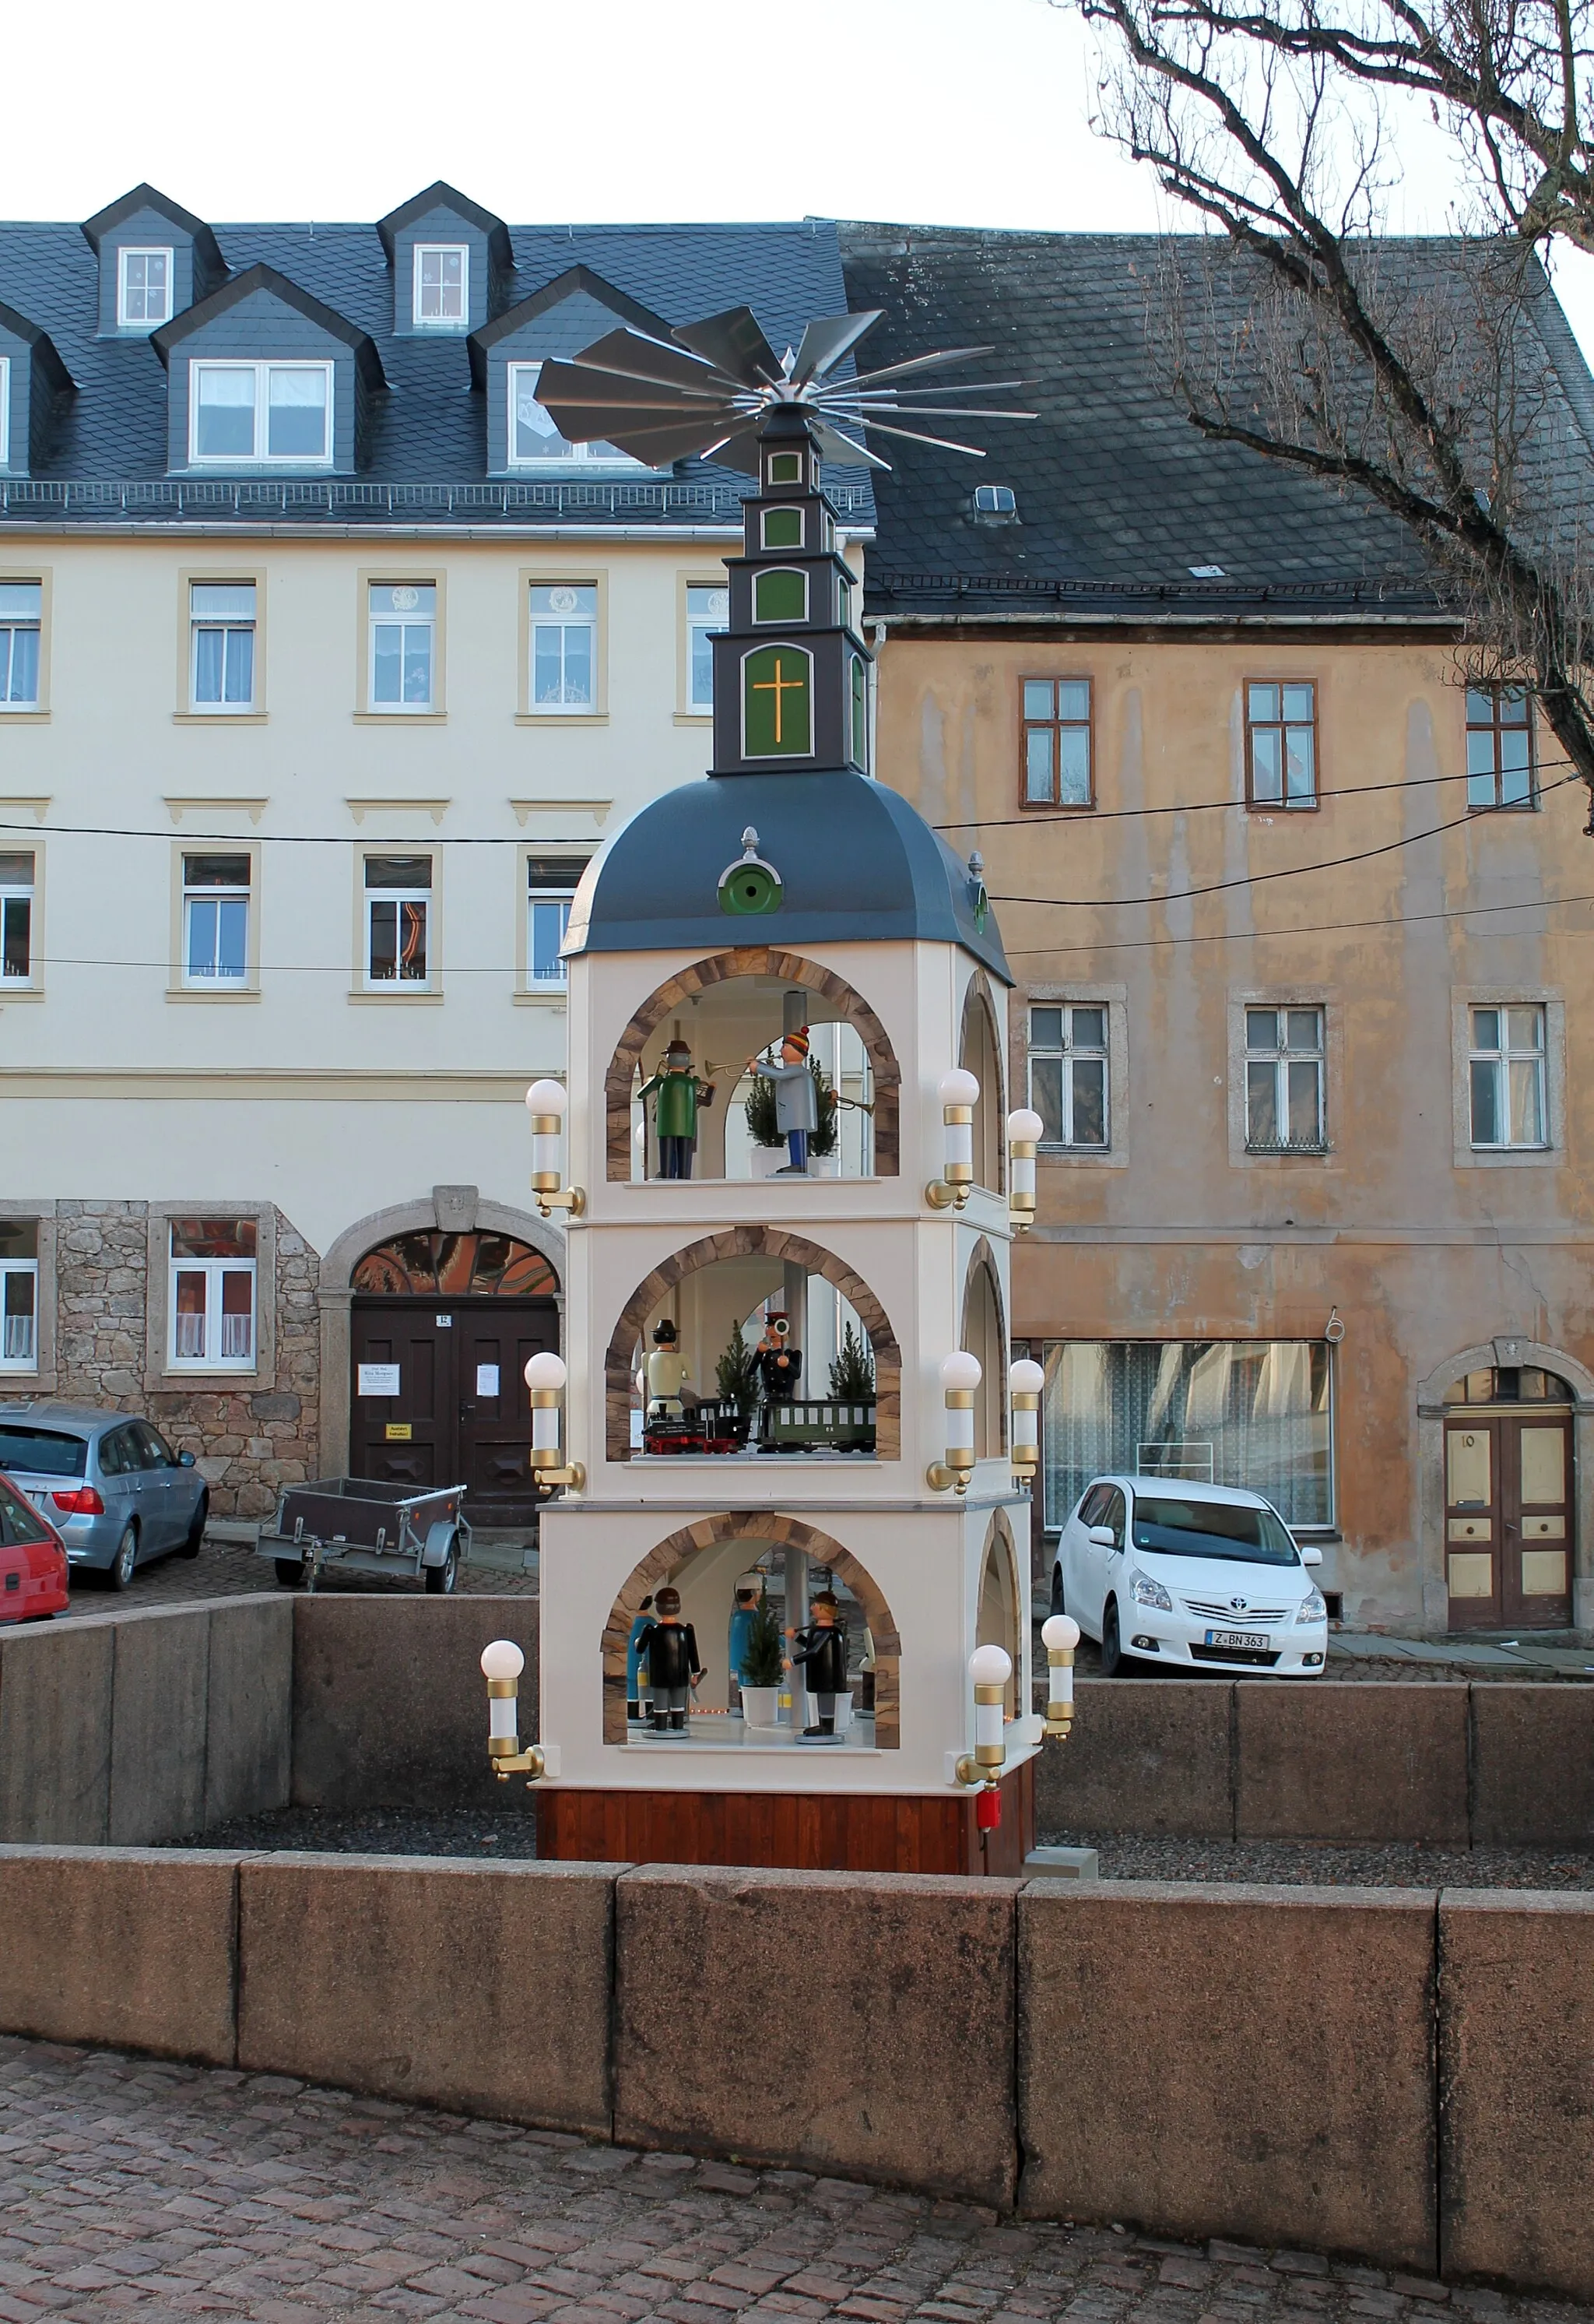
(656, 441)
(573, 386)
(912, 436)
(633, 354)
(738, 449)
(826, 341)
(872, 414)
(849, 391)
(919, 363)
(734, 343)
(844, 450)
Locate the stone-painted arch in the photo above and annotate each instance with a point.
(663, 1563)
(982, 1261)
(751, 1242)
(752, 960)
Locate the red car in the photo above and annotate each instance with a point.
(32, 1560)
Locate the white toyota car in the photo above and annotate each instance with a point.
(1161, 1569)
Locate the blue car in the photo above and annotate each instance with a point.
(110, 1485)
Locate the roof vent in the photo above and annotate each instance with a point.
(1206, 572)
(995, 499)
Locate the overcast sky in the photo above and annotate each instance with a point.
(959, 112)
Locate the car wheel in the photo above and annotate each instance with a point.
(440, 1580)
(194, 1540)
(1112, 1653)
(290, 1573)
(119, 1572)
(1057, 1606)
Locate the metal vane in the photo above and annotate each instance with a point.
(708, 388)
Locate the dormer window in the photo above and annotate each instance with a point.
(143, 288)
(533, 439)
(261, 414)
(995, 499)
(442, 286)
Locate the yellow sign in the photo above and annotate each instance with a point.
(397, 1432)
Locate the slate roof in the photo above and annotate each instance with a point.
(1118, 495)
(427, 454)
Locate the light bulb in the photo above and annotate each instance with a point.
(545, 1097)
(990, 1666)
(545, 1371)
(502, 1659)
(958, 1087)
(1026, 1377)
(1059, 1631)
(961, 1370)
(1025, 1128)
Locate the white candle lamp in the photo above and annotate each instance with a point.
(960, 1377)
(1059, 1634)
(545, 1377)
(1025, 1131)
(989, 1667)
(1026, 1380)
(502, 1664)
(959, 1093)
(545, 1102)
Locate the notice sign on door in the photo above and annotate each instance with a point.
(486, 1379)
(379, 1379)
(397, 1432)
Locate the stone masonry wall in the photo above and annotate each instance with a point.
(248, 1440)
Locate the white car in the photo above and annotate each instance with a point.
(1162, 1569)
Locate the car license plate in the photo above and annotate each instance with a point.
(1249, 1641)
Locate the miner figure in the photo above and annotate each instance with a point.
(821, 1652)
(679, 1093)
(674, 1671)
(797, 1100)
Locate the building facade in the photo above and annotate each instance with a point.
(1296, 917)
(325, 666)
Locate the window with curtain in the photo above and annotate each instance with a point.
(1251, 1412)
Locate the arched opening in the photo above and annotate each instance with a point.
(979, 1054)
(984, 1335)
(727, 1008)
(997, 1621)
(708, 1290)
(704, 1561)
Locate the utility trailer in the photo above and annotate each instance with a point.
(366, 1527)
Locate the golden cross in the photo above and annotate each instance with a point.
(777, 686)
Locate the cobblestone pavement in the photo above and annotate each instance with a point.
(226, 1569)
(174, 2192)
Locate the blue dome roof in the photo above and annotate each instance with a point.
(857, 865)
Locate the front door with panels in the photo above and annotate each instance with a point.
(1508, 1501)
(442, 1326)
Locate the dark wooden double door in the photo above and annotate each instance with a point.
(437, 1397)
(1509, 1519)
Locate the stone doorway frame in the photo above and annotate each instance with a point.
(448, 1210)
(1509, 1352)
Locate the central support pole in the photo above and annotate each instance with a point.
(794, 1015)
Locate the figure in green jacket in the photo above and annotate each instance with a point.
(679, 1094)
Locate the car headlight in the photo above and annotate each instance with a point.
(1312, 1607)
(1144, 1592)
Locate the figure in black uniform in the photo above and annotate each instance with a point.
(822, 1651)
(669, 1647)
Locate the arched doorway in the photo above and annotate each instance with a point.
(442, 1322)
(1509, 1490)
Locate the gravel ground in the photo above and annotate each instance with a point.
(510, 1832)
(129, 2184)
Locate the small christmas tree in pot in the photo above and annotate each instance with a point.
(763, 1667)
(736, 1376)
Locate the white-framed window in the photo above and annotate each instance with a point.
(16, 918)
(403, 645)
(564, 646)
(143, 288)
(4, 416)
(278, 413)
(221, 662)
(397, 921)
(22, 614)
(1284, 1081)
(442, 286)
(1068, 1072)
(210, 1314)
(708, 610)
(215, 921)
(19, 1295)
(533, 439)
(550, 889)
(1507, 1094)
(779, 594)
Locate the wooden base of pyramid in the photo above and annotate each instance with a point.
(803, 1831)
